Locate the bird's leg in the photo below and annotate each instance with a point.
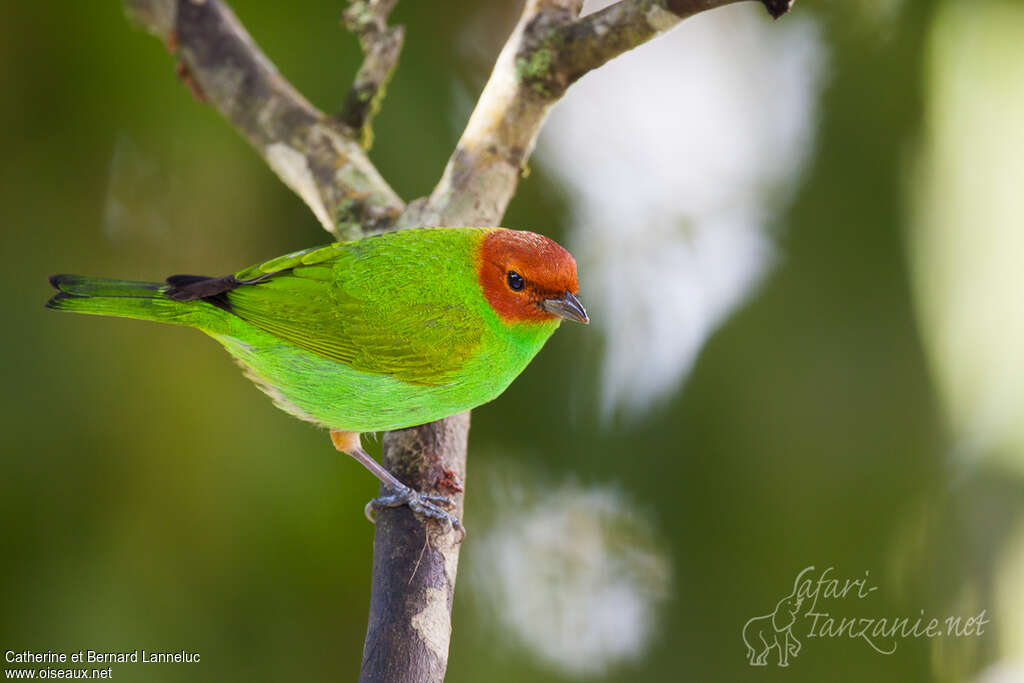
(421, 503)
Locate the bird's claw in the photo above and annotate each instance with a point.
(423, 504)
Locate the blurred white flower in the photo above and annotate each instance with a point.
(571, 573)
(678, 154)
(1002, 672)
(1008, 598)
(967, 242)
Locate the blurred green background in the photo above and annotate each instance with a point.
(152, 499)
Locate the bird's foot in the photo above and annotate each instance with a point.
(422, 504)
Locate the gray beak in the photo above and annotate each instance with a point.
(566, 306)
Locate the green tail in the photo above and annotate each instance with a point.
(101, 296)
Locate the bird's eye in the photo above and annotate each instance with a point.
(515, 281)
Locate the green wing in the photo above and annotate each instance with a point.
(385, 308)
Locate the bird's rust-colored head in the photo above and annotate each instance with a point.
(528, 277)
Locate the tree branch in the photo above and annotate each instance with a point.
(314, 155)
(478, 182)
(548, 50)
(382, 46)
(482, 173)
(415, 564)
(574, 49)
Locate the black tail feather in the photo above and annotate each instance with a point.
(192, 287)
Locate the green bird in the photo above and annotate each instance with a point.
(381, 333)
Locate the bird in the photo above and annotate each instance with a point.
(385, 332)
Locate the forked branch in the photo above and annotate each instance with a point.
(550, 48)
(321, 159)
(575, 48)
(313, 154)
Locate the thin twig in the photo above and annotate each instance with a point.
(382, 46)
(313, 154)
(426, 544)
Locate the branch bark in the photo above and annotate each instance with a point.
(549, 49)
(583, 45)
(382, 46)
(478, 182)
(415, 564)
(313, 154)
